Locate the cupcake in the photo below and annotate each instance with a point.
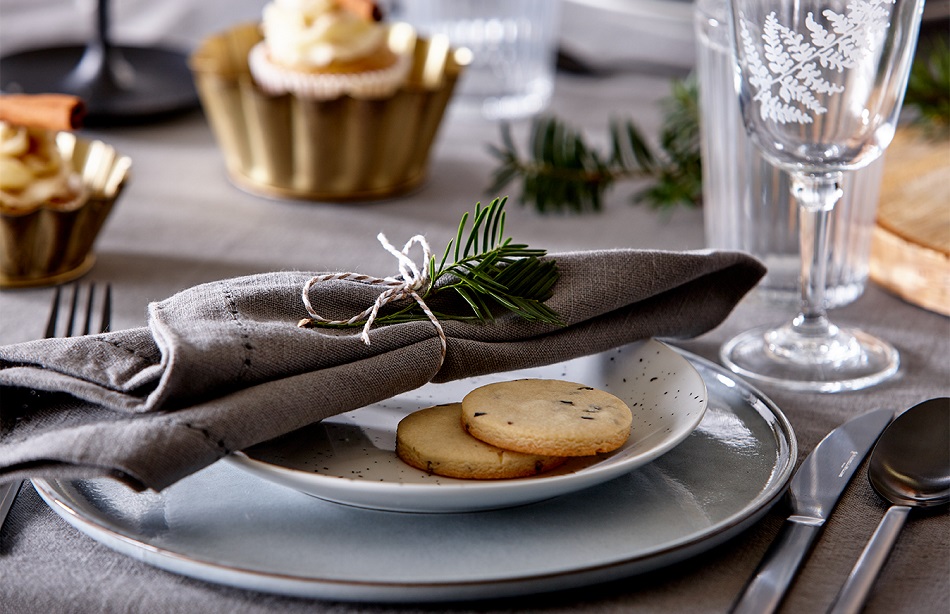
(325, 49)
(55, 190)
(318, 113)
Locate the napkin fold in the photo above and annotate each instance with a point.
(222, 366)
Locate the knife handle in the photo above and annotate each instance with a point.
(856, 588)
(778, 566)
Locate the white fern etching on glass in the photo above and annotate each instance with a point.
(794, 65)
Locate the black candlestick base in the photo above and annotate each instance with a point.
(119, 84)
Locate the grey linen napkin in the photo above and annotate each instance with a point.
(223, 365)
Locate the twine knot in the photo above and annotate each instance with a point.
(408, 284)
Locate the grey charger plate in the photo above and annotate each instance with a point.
(224, 525)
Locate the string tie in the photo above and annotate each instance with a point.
(411, 281)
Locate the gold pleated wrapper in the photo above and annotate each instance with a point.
(54, 244)
(345, 149)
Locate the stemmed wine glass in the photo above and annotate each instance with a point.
(820, 86)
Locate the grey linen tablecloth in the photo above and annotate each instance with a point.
(180, 224)
(223, 365)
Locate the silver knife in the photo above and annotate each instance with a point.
(813, 493)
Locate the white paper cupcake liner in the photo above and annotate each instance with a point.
(276, 80)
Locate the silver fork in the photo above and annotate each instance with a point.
(8, 492)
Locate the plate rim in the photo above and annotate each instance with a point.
(55, 493)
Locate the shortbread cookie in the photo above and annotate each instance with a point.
(550, 417)
(433, 440)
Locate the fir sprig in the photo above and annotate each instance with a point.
(487, 271)
(928, 89)
(564, 173)
(495, 270)
(679, 179)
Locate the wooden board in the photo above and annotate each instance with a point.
(910, 247)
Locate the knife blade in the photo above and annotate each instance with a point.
(813, 492)
(8, 493)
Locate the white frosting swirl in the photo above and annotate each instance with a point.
(32, 170)
(313, 33)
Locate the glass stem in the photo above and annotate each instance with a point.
(816, 196)
(101, 72)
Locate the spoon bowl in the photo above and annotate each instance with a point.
(909, 467)
(910, 464)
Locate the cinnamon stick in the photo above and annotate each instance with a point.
(366, 9)
(46, 111)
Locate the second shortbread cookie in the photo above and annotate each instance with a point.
(551, 417)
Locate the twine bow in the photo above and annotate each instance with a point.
(408, 284)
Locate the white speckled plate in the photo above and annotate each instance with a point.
(351, 458)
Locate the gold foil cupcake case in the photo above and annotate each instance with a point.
(344, 149)
(53, 244)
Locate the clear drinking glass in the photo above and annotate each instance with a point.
(820, 85)
(513, 45)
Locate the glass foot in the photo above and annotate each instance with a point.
(848, 359)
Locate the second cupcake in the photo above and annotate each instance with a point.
(324, 49)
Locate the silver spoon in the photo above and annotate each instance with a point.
(909, 467)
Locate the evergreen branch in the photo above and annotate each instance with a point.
(510, 274)
(928, 89)
(679, 180)
(564, 173)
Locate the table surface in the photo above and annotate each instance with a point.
(181, 222)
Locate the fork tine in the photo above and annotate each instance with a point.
(72, 311)
(87, 321)
(53, 314)
(106, 322)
